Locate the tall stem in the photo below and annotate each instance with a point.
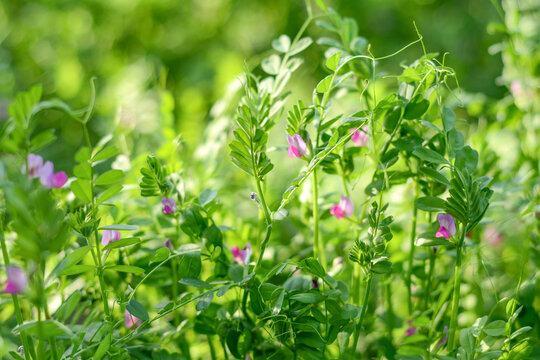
(318, 253)
(14, 298)
(457, 288)
(411, 252)
(363, 312)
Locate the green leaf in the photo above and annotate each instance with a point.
(190, 265)
(300, 45)
(136, 309)
(42, 139)
(76, 269)
(122, 243)
(308, 298)
(105, 154)
(312, 266)
(110, 177)
(83, 155)
(271, 64)
(160, 255)
(429, 239)
(467, 158)
(495, 328)
(324, 85)
(49, 328)
(416, 107)
(466, 340)
(448, 119)
(126, 268)
(333, 61)
(73, 258)
(207, 196)
(429, 155)
(205, 301)
(103, 347)
(194, 282)
(381, 267)
(435, 175)
(83, 171)
(430, 204)
(119, 227)
(282, 44)
(82, 190)
(109, 193)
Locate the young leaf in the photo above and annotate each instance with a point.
(136, 309)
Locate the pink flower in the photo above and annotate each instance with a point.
(360, 138)
(345, 208)
(297, 146)
(448, 226)
(492, 236)
(35, 162)
(130, 320)
(17, 282)
(241, 256)
(169, 206)
(516, 88)
(411, 330)
(109, 236)
(168, 244)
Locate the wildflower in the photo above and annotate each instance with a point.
(130, 320)
(241, 256)
(109, 236)
(35, 162)
(17, 280)
(169, 206)
(492, 236)
(448, 226)
(168, 244)
(516, 88)
(345, 208)
(297, 146)
(314, 283)
(411, 330)
(360, 137)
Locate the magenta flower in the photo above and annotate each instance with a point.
(17, 281)
(130, 320)
(448, 226)
(35, 162)
(492, 236)
(49, 178)
(345, 208)
(411, 330)
(169, 206)
(168, 244)
(360, 137)
(297, 146)
(109, 236)
(241, 256)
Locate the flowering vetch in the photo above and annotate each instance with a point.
(169, 206)
(130, 320)
(168, 244)
(45, 172)
(241, 256)
(109, 236)
(411, 330)
(17, 281)
(360, 137)
(447, 226)
(345, 208)
(297, 146)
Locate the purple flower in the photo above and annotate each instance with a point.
(314, 283)
(168, 244)
(411, 330)
(45, 172)
(35, 162)
(448, 226)
(345, 208)
(17, 282)
(360, 138)
(109, 236)
(169, 206)
(130, 320)
(241, 256)
(297, 146)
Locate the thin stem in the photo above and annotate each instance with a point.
(318, 253)
(432, 257)
(457, 288)
(211, 345)
(14, 298)
(363, 313)
(390, 310)
(411, 252)
(263, 247)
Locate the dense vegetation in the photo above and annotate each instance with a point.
(346, 198)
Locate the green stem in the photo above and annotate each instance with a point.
(363, 312)
(432, 257)
(263, 247)
(390, 321)
(212, 350)
(457, 288)
(18, 314)
(411, 252)
(318, 253)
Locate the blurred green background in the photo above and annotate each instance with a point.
(193, 49)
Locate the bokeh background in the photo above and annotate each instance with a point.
(194, 48)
